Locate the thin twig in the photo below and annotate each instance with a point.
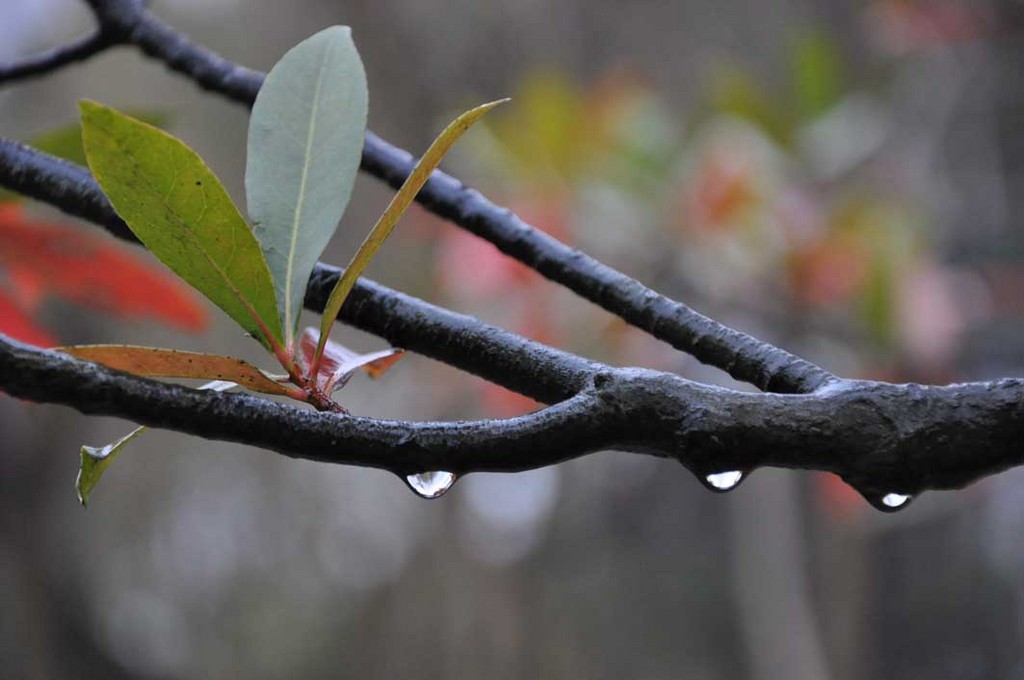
(58, 57)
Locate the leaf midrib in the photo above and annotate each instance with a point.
(300, 199)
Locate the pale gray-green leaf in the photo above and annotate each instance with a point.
(305, 142)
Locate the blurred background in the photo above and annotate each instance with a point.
(845, 179)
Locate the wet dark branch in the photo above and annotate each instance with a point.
(543, 373)
(881, 438)
(512, 361)
(566, 430)
(51, 60)
(742, 356)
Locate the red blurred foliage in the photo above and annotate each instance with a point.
(828, 271)
(501, 403)
(909, 25)
(838, 498)
(473, 272)
(1005, 285)
(723, 191)
(40, 259)
(15, 323)
(471, 268)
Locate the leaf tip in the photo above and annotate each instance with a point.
(88, 107)
(339, 29)
(484, 108)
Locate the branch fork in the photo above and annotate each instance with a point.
(886, 440)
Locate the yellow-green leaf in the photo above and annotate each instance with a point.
(96, 459)
(399, 204)
(178, 208)
(154, 362)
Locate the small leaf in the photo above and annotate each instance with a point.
(154, 362)
(178, 208)
(96, 459)
(339, 362)
(305, 142)
(374, 363)
(399, 204)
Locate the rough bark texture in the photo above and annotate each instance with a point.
(881, 438)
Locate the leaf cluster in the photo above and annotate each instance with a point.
(304, 146)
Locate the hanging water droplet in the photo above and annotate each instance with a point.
(724, 481)
(431, 484)
(895, 500)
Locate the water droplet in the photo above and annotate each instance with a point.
(724, 481)
(895, 500)
(431, 484)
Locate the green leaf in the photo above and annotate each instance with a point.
(155, 362)
(396, 208)
(178, 208)
(96, 459)
(305, 142)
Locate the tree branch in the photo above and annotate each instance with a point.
(541, 438)
(745, 358)
(51, 60)
(881, 438)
